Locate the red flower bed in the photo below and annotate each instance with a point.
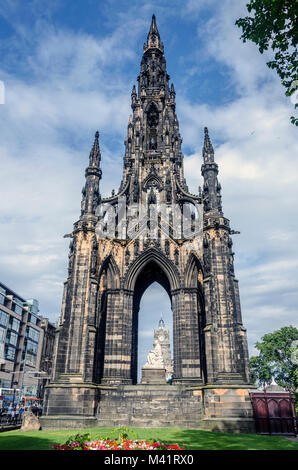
(120, 444)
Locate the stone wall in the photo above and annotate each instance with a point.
(150, 406)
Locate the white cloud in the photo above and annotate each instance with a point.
(47, 128)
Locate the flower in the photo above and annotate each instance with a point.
(117, 444)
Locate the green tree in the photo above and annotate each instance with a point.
(274, 25)
(278, 358)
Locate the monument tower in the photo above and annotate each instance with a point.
(152, 229)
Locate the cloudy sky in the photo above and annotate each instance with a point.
(68, 68)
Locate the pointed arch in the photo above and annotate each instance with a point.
(153, 103)
(110, 266)
(152, 255)
(193, 266)
(152, 179)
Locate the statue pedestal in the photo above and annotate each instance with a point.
(153, 376)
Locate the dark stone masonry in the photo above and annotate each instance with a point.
(94, 381)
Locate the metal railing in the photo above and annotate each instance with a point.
(9, 420)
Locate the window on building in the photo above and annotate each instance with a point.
(2, 334)
(33, 319)
(3, 318)
(12, 338)
(30, 352)
(5, 383)
(2, 298)
(14, 324)
(29, 390)
(32, 334)
(18, 309)
(10, 353)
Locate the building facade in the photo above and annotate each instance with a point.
(23, 340)
(153, 229)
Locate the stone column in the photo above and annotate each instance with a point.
(225, 338)
(187, 366)
(118, 338)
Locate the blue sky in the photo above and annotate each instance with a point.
(68, 69)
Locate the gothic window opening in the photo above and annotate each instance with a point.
(153, 139)
(191, 222)
(152, 121)
(152, 196)
(155, 306)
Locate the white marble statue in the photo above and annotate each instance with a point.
(155, 358)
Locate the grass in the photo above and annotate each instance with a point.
(187, 438)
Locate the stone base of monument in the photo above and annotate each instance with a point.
(150, 405)
(226, 409)
(69, 405)
(153, 376)
(217, 408)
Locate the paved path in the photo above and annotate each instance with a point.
(292, 438)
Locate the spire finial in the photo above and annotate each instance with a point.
(153, 38)
(153, 27)
(208, 152)
(161, 323)
(95, 156)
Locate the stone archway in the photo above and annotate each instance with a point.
(121, 309)
(150, 273)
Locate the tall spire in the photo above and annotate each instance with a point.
(153, 77)
(153, 128)
(153, 38)
(95, 156)
(208, 152)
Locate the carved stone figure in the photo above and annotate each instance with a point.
(155, 358)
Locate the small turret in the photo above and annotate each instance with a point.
(90, 192)
(133, 96)
(95, 155)
(208, 152)
(172, 92)
(212, 188)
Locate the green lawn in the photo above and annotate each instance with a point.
(189, 439)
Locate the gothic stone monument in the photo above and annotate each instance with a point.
(115, 254)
